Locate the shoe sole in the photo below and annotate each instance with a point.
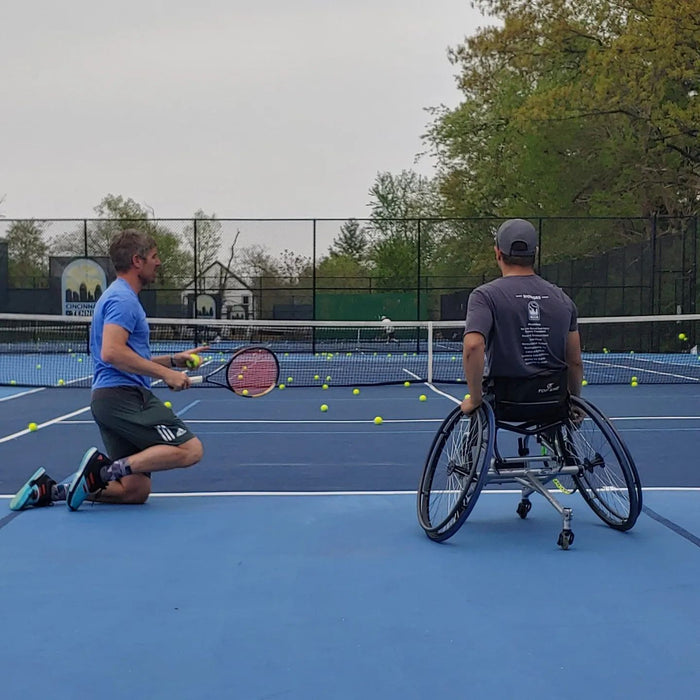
(19, 501)
(75, 484)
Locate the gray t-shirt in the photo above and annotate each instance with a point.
(525, 321)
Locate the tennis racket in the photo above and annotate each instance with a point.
(251, 372)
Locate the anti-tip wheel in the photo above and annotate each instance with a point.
(566, 538)
(523, 508)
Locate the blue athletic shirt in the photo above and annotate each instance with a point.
(119, 305)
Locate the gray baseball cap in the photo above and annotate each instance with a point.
(517, 237)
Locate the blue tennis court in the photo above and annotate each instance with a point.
(289, 562)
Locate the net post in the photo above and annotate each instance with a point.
(430, 352)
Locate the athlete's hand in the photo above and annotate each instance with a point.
(181, 358)
(469, 405)
(177, 381)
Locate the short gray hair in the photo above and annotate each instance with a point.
(126, 244)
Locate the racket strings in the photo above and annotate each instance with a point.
(253, 372)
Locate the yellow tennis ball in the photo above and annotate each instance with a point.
(32, 426)
(422, 397)
(407, 383)
(378, 420)
(682, 336)
(38, 366)
(194, 361)
(282, 386)
(328, 379)
(245, 392)
(356, 391)
(325, 386)
(167, 404)
(467, 396)
(584, 382)
(290, 380)
(634, 383)
(61, 382)
(324, 408)
(316, 376)
(240, 376)
(13, 382)
(80, 359)
(634, 379)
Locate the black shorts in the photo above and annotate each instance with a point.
(132, 419)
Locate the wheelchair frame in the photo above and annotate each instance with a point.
(465, 452)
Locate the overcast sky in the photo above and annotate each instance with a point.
(243, 109)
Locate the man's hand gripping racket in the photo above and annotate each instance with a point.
(251, 372)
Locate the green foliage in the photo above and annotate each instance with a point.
(351, 241)
(27, 250)
(575, 109)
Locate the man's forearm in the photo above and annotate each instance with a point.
(473, 361)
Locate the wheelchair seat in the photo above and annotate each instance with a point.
(536, 400)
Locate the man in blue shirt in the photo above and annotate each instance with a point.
(141, 435)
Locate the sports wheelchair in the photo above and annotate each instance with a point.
(578, 449)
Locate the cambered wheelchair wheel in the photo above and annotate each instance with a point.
(455, 471)
(608, 480)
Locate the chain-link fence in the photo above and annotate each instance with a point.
(408, 269)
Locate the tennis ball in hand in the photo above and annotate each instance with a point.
(422, 397)
(378, 420)
(32, 426)
(324, 408)
(194, 361)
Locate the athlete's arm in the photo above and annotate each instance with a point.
(473, 353)
(117, 353)
(574, 362)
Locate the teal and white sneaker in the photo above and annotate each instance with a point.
(87, 480)
(36, 492)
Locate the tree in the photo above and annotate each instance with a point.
(208, 240)
(351, 241)
(116, 213)
(575, 108)
(27, 250)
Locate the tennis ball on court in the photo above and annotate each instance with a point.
(407, 383)
(13, 382)
(422, 397)
(378, 420)
(61, 382)
(355, 391)
(325, 386)
(324, 408)
(80, 359)
(290, 380)
(316, 376)
(194, 361)
(682, 336)
(634, 383)
(634, 379)
(606, 351)
(584, 382)
(38, 366)
(167, 404)
(281, 386)
(328, 379)
(32, 426)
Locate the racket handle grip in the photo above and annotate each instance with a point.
(198, 379)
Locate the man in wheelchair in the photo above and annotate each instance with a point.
(521, 345)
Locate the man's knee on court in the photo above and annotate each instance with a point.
(192, 451)
(136, 491)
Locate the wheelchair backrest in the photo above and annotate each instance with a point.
(540, 398)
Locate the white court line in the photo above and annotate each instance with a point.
(485, 492)
(245, 421)
(434, 388)
(608, 365)
(26, 431)
(23, 393)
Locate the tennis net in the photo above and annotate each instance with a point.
(45, 350)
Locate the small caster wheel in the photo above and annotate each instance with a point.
(566, 538)
(523, 508)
